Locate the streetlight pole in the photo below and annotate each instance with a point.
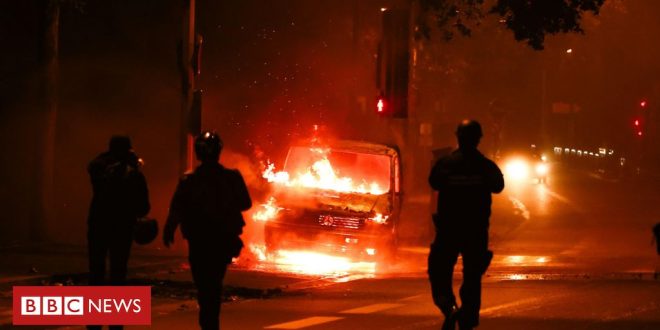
(186, 51)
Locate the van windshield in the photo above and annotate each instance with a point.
(339, 170)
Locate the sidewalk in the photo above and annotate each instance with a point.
(167, 272)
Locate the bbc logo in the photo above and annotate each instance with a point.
(54, 305)
(81, 305)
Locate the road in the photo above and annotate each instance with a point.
(574, 254)
(404, 303)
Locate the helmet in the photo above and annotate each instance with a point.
(145, 231)
(208, 146)
(120, 145)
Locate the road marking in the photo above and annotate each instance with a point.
(21, 278)
(370, 308)
(303, 323)
(521, 304)
(565, 200)
(520, 207)
(630, 313)
(412, 298)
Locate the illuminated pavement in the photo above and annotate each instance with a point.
(575, 254)
(405, 303)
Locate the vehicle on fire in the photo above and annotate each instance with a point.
(341, 198)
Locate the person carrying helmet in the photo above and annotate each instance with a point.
(120, 197)
(465, 180)
(207, 204)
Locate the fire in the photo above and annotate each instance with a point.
(379, 218)
(259, 251)
(308, 262)
(268, 211)
(314, 263)
(321, 175)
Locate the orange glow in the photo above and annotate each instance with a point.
(379, 218)
(321, 175)
(259, 251)
(526, 260)
(314, 263)
(268, 211)
(305, 262)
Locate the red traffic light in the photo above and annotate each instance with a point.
(636, 122)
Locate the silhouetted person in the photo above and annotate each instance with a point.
(465, 180)
(207, 204)
(120, 198)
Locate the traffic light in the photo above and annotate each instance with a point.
(393, 65)
(643, 103)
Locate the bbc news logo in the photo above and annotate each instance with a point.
(81, 305)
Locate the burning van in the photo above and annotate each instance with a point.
(344, 197)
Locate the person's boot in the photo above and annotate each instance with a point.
(451, 316)
(463, 323)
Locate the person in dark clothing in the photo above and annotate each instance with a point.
(120, 197)
(207, 204)
(465, 180)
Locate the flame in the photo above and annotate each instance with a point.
(259, 251)
(379, 218)
(268, 211)
(314, 263)
(321, 175)
(308, 262)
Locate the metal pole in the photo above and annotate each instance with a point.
(188, 85)
(544, 82)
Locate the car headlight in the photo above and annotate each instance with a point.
(517, 169)
(542, 169)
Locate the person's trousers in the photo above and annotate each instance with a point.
(208, 272)
(472, 245)
(113, 244)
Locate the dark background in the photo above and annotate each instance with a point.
(272, 69)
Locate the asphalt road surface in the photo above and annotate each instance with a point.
(573, 254)
(576, 253)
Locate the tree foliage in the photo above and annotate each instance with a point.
(529, 20)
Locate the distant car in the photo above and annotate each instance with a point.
(343, 197)
(527, 167)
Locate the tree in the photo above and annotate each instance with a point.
(529, 20)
